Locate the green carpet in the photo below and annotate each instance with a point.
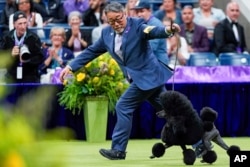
(83, 154)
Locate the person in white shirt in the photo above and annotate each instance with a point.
(34, 19)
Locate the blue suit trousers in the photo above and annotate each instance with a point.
(125, 107)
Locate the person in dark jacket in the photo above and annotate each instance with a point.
(9, 9)
(91, 17)
(26, 54)
(52, 11)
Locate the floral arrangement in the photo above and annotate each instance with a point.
(100, 77)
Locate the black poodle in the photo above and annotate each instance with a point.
(183, 126)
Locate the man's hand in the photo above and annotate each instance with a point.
(64, 73)
(175, 28)
(15, 51)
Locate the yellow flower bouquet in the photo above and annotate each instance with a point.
(100, 77)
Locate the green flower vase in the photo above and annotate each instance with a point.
(96, 118)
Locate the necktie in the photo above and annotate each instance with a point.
(235, 30)
(118, 43)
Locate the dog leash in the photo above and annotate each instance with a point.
(177, 50)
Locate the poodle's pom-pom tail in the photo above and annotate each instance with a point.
(158, 150)
(210, 157)
(232, 149)
(189, 156)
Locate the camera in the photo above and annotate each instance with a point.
(25, 53)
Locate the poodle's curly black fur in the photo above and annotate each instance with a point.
(184, 126)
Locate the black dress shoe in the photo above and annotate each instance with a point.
(113, 154)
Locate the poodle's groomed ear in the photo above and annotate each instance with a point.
(208, 114)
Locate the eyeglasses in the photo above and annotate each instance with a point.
(24, 2)
(117, 20)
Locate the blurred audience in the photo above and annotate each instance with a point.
(195, 35)
(8, 9)
(26, 54)
(52, 11)
(129, 7)
(159, 47)
(177, 48)
(92, 16)
(75, 5)
(229, 34)
(34, 19)
(97, 31)
(56, 55)
(169, 9)
(208, 16)
(76, 39)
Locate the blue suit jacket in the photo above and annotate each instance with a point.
(138, 59)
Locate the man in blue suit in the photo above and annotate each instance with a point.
(136, 59)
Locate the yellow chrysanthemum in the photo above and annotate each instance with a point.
(13, 159)
(80, 76)
(88, 65)
(65, 82)
(100, 57)
(112, 62)
(112, 72)
(100, 64)
(96, 79)
(120, 85)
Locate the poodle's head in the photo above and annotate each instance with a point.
(175, 103)
(208, 116)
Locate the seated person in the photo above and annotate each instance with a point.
(91, 17)
(176, 44)
(195, 35)
(76, 39)
(56, 55)
(34, 19)
(52, 11)
(169, 9)
(75, 5)
(9, 9)
(129, 7)
(177, 51)
(229, 34)
(208, 16)
(96, 32)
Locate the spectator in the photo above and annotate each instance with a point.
(169, 9)
(177, 48)
(129, 7)
(9, 9)
(76, 39)
(96, 33)
(159, 47)
(20, 40)
(75, 5)
(52, 11)
(34, 19)
(56, 55)
(92, 16)
(229, 34)
(195, 35)
(208, 16)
